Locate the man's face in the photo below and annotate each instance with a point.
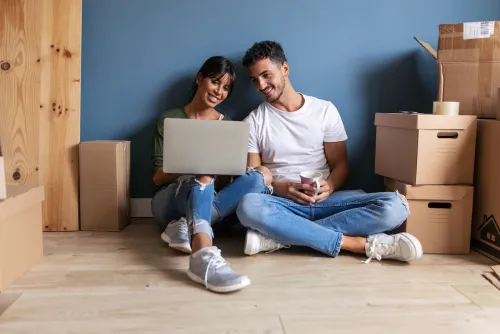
(269, 78)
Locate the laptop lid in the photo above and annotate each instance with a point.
(205, 147)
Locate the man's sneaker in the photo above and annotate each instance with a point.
(256, 243)
(209, 268)
(401, 247)
(177, 236)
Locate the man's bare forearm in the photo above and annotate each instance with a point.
(338, 176)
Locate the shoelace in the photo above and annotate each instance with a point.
(377, 250)
(271, 245)
(217, 261)
(183, 227)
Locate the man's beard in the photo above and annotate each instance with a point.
(271, 100)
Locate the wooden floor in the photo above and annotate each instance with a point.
(130, 282)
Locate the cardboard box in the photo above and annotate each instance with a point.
(498, 105)
(21, 235)
(441, 216)
(423, 149)
(104, 185)
(486, 221)
(468, 59)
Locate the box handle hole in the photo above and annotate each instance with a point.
(438, 205)
(449, 135)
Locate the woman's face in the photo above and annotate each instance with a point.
(212, 91)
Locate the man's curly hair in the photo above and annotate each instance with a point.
(262, 50)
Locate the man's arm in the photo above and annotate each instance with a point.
(288, 190)
(253, 160)
(336, 155)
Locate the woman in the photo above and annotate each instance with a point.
(194, 197)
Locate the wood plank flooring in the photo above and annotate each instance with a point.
(131, 282)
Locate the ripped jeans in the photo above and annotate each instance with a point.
(200, 204)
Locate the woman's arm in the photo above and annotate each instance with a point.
(161, 178)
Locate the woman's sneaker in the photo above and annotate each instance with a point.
(177, 236)
(256, 243)
(209, 268)
(401, 247)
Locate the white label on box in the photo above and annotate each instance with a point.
(473, 30)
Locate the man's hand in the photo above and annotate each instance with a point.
(325, 190)
(292, 191)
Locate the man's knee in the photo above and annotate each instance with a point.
(268, 177)
(250, 208)
(395, 211)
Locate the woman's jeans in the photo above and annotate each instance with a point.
(200, 204)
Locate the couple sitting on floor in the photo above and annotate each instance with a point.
(289, 133)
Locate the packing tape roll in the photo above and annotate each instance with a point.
(446, 108)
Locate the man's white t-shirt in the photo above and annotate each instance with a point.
(292, 142)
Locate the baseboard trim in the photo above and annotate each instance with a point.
(140, 208)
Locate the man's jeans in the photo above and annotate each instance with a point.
(321, 226)
(200, 204)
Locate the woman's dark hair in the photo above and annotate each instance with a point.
(216, 67)
(262, 50)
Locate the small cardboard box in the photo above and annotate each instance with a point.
(440, 216)
(468, 59)
(21, 235)
(104, 185)
(486, 219)
(423, 149)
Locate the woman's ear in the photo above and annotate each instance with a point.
(199, 79)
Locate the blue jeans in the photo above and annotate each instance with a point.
(321, 226)
(200, 204)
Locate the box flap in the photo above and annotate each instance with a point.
(424, 121)
(469, 42)
(427, 48)
(20, 197)
(430, 192)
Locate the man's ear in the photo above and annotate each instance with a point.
(285, 68)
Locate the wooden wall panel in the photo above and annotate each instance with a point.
(40, 65)
(20, 89)
(60, 117)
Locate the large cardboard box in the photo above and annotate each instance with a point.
(440, 216)
(423, 149)
(486, 222)
(468, 59)
(21, 234)
(104, 185)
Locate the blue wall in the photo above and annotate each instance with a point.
(140, 57)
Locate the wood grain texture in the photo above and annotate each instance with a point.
(132, 282)
(60, 114)
(20, 89)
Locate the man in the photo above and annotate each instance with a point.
(290, 133)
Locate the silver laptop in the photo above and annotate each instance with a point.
(205, 147)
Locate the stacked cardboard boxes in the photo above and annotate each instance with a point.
(468, 59)
(430, 160)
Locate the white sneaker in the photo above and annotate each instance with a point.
(401, 247)
(256, 243)
(177, 236)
